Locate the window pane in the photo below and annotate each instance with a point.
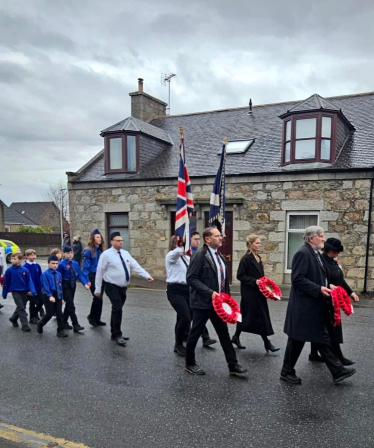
(305, 149)
(325, 149)
(287, 152)
(115, 153)
(131, 153)
(306, 128)
(118, 220)
(125, 236)
(301, 222)
(326, 127)
(288, 130)
(295, 241)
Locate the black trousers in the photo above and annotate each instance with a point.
(52, 308)
(117, 297)
(38, 304)
(200, 318)
(97, 302)
(294, 349)
(20, 299)
(69, 310)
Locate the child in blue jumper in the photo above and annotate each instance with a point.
(36, 302)
(17, 280)
(52, 297)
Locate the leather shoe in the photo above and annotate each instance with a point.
(235, 340)
(315, 358)
(180, 349)
(209, 341)
(67, 326)
(269, 347)
(194, 369)
(34, 320)
(343, 374)
(14, 322)
(120, 341)
(237, 369)
(91, 321)
(291, 378)
(1, 306)
(26, 328)
(347, 362)
(78, 328)
(62, 334)
(100, 323)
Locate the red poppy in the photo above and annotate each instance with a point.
(340, 300)
(269, 288)
(227, 308)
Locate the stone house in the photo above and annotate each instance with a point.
(289, 165)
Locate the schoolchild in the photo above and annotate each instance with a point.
(17, 280)
(52, 297)
(36, 302)
(57, 252)
(71, 272)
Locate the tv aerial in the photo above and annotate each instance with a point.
(165, 81)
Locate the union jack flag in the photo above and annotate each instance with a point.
(185, 205)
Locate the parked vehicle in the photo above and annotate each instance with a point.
(9, 248)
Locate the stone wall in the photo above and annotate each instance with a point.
(340, 200)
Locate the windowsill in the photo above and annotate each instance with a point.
(309, 165)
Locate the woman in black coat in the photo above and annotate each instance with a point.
(332, 248)
(78, 249)
(253, 306)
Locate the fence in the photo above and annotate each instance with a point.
(43, 243)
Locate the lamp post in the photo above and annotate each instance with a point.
(62, 195)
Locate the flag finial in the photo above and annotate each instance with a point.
(180, 130)
(225, 140)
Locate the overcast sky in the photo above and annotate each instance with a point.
(67, 66)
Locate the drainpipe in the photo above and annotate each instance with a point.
(368, 237)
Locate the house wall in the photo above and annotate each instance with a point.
(341, 200)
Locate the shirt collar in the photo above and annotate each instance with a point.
(30, 262)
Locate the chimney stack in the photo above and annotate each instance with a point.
(140, 84)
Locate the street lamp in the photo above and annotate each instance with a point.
(61, 216)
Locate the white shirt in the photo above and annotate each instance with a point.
(111, 270)
(2, 258)
(214, 256)
(176, 269)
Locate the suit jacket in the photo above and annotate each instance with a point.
(308, 311)
(202, 278)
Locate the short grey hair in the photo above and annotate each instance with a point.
(311, 231)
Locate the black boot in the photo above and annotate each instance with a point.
(77, 328)
(14, 322)
(235, 340)
(269, 347)
(67, 326)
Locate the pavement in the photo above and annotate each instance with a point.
(85, 391)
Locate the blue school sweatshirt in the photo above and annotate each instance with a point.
(51, 282)
(64, 269)
(36, 273)
(17, 279)
(90, 261)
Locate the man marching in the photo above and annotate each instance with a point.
(114, 269)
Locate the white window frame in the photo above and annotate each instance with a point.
(288, 230)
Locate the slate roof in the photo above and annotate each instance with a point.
(32, 210)
(205, 131)
(13, 217)
(314, 102)
(136, 125)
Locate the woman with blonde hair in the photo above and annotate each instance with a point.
(253, 306)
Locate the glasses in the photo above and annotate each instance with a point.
(118, 241)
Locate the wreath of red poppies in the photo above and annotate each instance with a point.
(341, 301)
(2, 280)
(269, 288)
(227, 308)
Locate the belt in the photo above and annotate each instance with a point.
(177, 283)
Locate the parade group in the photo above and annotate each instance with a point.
(194, 279)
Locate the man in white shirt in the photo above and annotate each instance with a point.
(114, 269)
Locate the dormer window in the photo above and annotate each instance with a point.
(122, 153)
(309, 138)
(238, 146)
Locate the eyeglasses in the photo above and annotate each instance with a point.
(118, 241)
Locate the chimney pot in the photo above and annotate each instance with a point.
(140, 84)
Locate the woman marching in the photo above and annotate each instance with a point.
(91, 257)
(253, 306)
(332, 248)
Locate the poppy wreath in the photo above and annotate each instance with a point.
(227, 308)
(2, 280)
(340, 300)
(269, 288)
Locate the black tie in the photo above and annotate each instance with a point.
(222, 286)
(124, 267)
(72, 277)
(56, 284)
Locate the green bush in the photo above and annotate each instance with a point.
(39, 229)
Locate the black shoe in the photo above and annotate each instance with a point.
(34, 320)
(315, 358)
(347, 362)
(343, 374)
(1, 306)
(194, 369)
(290, 378)
(120, 341)
(100, 323)
(235, 340)
(237, 369)
(26, 328)
(209, 341)
(269, 347)
(78, 328)
(180, 349)
(91, 321)
(14, 322)
(67, 326)
(62, 334)
(39, 328)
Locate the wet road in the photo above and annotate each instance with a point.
(88, 390)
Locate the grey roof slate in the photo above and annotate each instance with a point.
(11, 216)
(32, 210)
(205, 131)
(136, 125)
(312, 103)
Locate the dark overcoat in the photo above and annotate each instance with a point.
(253, 306)
(337, 279)
(308, 310)
(202, 278)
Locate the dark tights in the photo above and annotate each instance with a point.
(238, 333)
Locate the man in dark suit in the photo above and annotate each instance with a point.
(207, 276)
(310, 313)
